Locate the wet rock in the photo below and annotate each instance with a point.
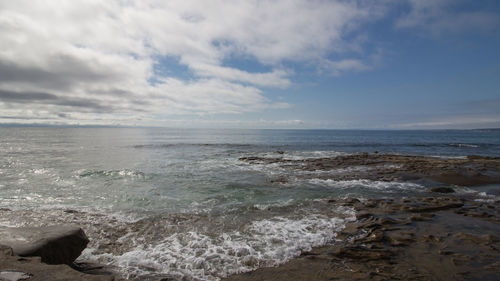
(375, 236)
(442, 189)
(477, 157)
(431, 238)
(360, 253)
(386, 221)
(435, 208)
(352, 200)
(472, 171)
(445, 252)
(419, 218)
(281, 180)
(401, 238)
(363, 215)
(95, 268)
(370, 204)
(384, 244)
(54, 244)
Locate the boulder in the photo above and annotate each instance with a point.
(14, 268)
(60, 244)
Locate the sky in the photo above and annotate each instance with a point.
(360, 64)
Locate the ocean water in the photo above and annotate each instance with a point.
(179, 203)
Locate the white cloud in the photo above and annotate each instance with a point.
(338, 67)
(78, 58)
(276, 78)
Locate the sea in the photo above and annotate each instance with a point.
(181, 204)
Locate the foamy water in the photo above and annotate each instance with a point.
(180, 203)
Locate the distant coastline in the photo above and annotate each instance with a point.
(36, 125)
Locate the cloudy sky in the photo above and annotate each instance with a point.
(399, 64)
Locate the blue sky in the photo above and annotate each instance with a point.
(406, 64)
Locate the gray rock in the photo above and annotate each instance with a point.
(32, 269)
(60, 244)
(13, 275)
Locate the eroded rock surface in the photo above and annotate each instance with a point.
(430, 238)
(470, 171)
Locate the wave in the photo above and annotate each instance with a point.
(262, 243)
(385, 186)
(110, 173)
(299, 155)
(468, 145)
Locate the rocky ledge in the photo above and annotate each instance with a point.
(431, 238)
(43, 253)
(469, 171)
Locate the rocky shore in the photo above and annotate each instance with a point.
(44, 253)
(447, 236)
(429, 238)
(469, 171)
(440, 235)
(443, 237)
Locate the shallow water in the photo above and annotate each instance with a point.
(181, 203)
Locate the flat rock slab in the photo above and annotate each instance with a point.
(60, 244)
(470, 171)
(412, 238)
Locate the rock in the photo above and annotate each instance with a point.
(279, 180)
(60, 244)
(442, 189)
(435, 208)
(419, 218)
(360, 253)
(478, 157)
(375, 236)
(364, 215)
(14, 275)
(32, 269)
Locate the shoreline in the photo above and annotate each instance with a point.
(430, 238)
(444, 237)
(441, 235)
(472, 170)
(399, 237)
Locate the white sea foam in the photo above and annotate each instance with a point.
(448, 157)
(274, 204)
(111, 173)
(464, 145)
(40, 171)
(387, 186)
(301, 155)
(199, 256)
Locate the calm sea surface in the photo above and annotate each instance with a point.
(179, 203)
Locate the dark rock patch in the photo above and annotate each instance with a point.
(442, 189)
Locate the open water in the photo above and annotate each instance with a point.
(179, 203)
